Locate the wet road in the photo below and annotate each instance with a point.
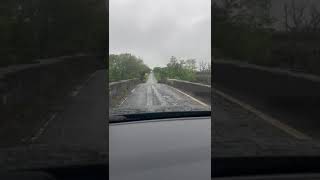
(75, 134)
(83, 122)
(236, 131)
(152, 96)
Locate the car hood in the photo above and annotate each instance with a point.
(165, 149)
(36, 156)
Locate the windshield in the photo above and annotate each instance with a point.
(266, 78)
(167, 68)
(52, 83)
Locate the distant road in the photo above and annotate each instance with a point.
(152, 96)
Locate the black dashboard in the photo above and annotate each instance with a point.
(59, 173)
(231, 168)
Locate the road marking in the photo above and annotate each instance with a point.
(123, 101)
(76, 92)
(149, 98)
(127, 97)
(159, 97)
(78, 88)
(289, 130)
(196, 100)
(43, 128)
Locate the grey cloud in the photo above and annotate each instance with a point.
(155, 30)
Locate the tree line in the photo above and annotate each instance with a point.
(32, 29)
(126, 66)
(301, 17)
(245, 30)
(241, 29)
(181, 69)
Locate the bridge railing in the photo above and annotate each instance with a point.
(29, 92)
(119, 90)
(198, 90)
(272, 85)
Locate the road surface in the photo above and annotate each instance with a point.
(83, 122)
(152, 96)
(236, 131)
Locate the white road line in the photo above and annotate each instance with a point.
(196, 100)
(76, 92)
(43, 128)
(289, 130)
(159, 97)
(91, 76)
(123, 101)
(78, 88)
(149, 96)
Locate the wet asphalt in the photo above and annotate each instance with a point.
(152, 96)
(83, 122)
(236, 132)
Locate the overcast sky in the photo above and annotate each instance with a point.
(155, 30)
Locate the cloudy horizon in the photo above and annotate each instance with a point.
(156, 30)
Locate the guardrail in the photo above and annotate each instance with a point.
(204, 78)
(201, 91)
(118, 90)
(28, 92)
(268, 84)
(22, 84)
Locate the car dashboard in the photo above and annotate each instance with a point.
(173, 148)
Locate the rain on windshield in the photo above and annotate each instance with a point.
(266, 78)
(155, 68)
(52, 82)
(153, 95)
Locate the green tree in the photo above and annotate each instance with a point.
(43, 28)
(241, 30)
(126, 66)
(177, 69)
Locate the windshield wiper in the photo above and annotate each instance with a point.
(157, 115)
